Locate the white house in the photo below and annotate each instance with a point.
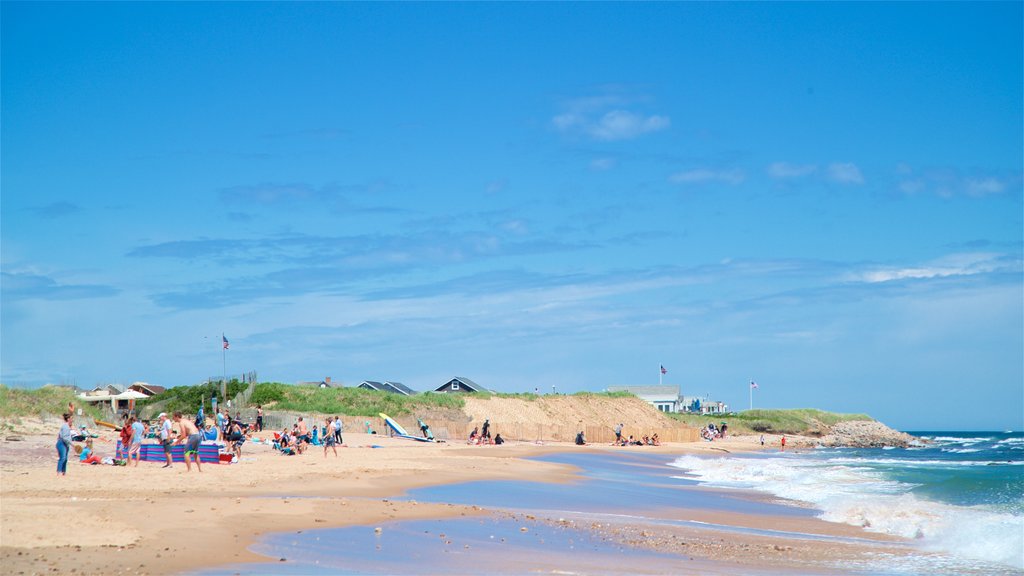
(664, 398)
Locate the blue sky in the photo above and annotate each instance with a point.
(825, 198)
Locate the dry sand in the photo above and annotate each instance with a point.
(149, 520)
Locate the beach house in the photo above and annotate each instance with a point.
(387, 386)
(664, 398)
(699, 405)
(459, 384)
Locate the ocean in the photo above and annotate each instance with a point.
(961, 493)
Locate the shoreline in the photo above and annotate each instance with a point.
(148, 520)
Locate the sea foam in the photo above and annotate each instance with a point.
(846, 490)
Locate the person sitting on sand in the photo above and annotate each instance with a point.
(498, 440)
(473, 436)
(88, 456)
(580, 439)
(655, 441)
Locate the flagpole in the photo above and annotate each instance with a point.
(660, 373)
(751, 386)
(224, 360)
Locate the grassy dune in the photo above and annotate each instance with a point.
(17, 403)
(806, 421)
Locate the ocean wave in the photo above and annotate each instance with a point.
(912, 463)
(959, 439)
(850, 493)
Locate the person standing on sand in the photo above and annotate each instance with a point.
(302, 433)
(165, 437)
(338, 427)
(188, 434)
(329, 438)
(138, 433)
(783, 442)
(762, 439)
(259, 418)
(618, 434)
(63, 445)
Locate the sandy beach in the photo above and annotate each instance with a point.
(150, 520)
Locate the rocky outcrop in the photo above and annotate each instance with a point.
(865, 434)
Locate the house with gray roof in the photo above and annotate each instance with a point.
(388, 386)
(459, 384)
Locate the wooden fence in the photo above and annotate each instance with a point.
(452, 431)
(459, 431)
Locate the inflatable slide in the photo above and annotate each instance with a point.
(400, 432)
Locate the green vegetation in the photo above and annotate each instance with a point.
(348, 401)
(48, 400)
(799, 421)
(187, 398)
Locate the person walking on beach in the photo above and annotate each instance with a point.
(165, 437)
(329, 438)
(138, 433)
(63, 445)
(188, 434)
(338, 428)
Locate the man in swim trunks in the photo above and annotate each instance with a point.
(189, 434)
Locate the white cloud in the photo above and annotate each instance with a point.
(845, 173)
(625, 125)
(784, 170)
(703, 175)
(985, 186)
(949, 182)
(603, 164)
(606, 118)
(963, 264)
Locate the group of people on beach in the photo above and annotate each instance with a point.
(482, 437)
(300, 437)
(652, 440)
(711, 432)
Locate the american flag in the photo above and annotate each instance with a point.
(753, 384)
(225, 339)
(663, 371)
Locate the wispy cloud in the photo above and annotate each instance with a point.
(845, 173)
(705, 175)
(335, 197)
(786, 170)
(30, 285)
(56, 210)
(961, 264)
(608, 118)
(949, 182)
